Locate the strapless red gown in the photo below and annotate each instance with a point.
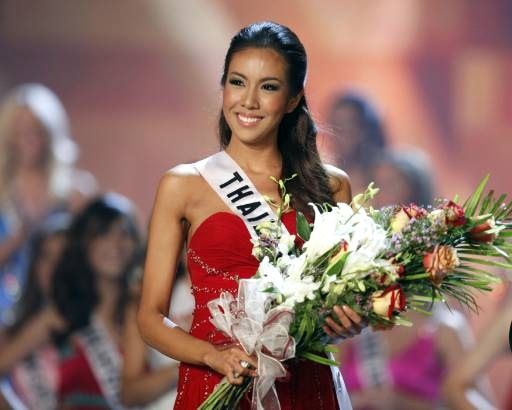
(218, 254)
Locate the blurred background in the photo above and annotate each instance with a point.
(140, 83)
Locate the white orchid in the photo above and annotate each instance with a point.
(328, 230)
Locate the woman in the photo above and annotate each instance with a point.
(265, 130)
(358, 136)
(37, 176)
(88, 304)
(92, 298)
(34, 379)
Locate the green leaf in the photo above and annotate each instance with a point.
(319, 359)
(505, 212)
(337, 264)
(487, 262)
(486, 202)
(472, 202)
(498, 203)
(303, 228)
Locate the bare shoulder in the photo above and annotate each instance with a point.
(178, 182)
(340, 183)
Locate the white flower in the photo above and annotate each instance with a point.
(286, 243)
(328, 230)
(296, 290)
(271, 274)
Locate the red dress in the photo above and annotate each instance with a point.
(219, 253)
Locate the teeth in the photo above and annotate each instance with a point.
(248, 119)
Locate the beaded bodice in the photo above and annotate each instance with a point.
(219, 253)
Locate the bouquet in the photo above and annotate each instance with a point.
(379, 262)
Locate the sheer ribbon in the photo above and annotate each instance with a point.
(260, 331)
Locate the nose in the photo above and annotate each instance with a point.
(250, 98)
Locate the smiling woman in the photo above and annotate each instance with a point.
(213, 205)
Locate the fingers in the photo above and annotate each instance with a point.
(238, 365)
(348, 323)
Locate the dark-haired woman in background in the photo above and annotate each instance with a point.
(357, 137)
(265, 130)
(34, 379)
(91, 295)
(88, 305)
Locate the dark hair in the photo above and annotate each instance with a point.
(297, 131)
(373, 136)
(74, 286)
(33, 299)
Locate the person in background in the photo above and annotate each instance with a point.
(493, 343)
(89, 301)
(91, 293)
(405, 368)
(358, 136)
(33, 380)
(37, 176)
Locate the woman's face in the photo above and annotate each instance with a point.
(49, 255)
(256, 95)
(29, 139)
(110, 253)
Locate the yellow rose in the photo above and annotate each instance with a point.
(399, 221)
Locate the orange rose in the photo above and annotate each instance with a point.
(478, 233)
(385, 302)
(439, 262)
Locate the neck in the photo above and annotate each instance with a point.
(256, 159)
(108, 293)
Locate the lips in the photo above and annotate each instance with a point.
(248, 120)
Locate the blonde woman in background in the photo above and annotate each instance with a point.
(37, 177)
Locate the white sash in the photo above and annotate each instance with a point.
(36, 377)
(105, 361)
(235, 188)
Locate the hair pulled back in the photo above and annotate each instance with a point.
(297, 131)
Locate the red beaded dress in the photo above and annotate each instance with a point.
(219, 253)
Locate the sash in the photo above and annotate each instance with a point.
(104, 360)
(235, 188)
(237, 191)
(35, 379)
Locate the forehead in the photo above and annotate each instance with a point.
(258, 62)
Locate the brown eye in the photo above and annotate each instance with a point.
(270, 87)
(236, 82)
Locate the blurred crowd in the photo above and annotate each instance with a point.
(71, 261)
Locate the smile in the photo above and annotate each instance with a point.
(248, 120)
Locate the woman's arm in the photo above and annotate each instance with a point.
(166, 238)
(29, 338)
(491, 344)
(140, 386)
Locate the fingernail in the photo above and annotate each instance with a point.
(337, 309)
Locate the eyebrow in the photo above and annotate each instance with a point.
(261, 81)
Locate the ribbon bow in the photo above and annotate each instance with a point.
(261, 331)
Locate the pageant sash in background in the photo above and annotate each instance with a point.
(35, 379)
(105, 361)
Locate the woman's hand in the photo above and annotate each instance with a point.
(343, 323)
(232, 362)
